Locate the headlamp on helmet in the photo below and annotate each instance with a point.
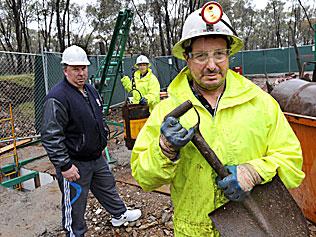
(212, 12)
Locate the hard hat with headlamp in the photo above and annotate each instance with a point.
(74, 55)
(208, 20)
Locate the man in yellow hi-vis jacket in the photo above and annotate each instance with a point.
(145, 82)
(241, 123)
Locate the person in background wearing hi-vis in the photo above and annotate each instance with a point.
(145, 82)
(242, 124)
(74, 137)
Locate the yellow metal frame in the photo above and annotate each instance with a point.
(10, 121)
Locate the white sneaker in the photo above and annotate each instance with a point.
(129, 215)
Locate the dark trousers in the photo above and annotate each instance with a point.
(96, 176)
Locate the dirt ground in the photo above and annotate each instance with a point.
(37, 212)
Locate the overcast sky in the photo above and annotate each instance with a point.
(260, 4)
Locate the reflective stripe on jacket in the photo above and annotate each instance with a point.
(248, 127)
(148, 86)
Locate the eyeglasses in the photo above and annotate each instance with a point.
(219, 56)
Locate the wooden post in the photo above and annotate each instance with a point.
(37, 181)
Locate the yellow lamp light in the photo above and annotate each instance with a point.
(212, 12)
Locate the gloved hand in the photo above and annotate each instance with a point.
(240, 182)
(173, 137)
(143, 101)
(125, 78)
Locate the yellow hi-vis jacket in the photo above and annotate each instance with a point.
(148, 86)
(248, 127)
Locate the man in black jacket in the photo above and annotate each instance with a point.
(74, 138)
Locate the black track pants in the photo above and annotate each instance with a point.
(96, 176)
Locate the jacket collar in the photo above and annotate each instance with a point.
(137, 73)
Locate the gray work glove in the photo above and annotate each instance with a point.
(173, 136)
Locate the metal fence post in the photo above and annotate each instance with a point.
(289, 55)
(44, 60)
(242, 63)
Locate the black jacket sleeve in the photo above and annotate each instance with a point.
(54, 122)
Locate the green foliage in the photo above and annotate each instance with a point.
(26, 110)
(26, 80)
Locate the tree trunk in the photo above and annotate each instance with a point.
(25, 33)
(297, 52)
(7, 40)
(276, 17)
(59, 30)
(168, 28)
(161, 34)
(49, 31)
(66, 11)
(15, 6)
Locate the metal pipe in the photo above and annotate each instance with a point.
(20, 138)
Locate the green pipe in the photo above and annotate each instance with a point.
(11, 182)
(114, 123)
(10, 167)
(108, 157)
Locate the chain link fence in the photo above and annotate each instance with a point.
(19, 79)
(25, 79)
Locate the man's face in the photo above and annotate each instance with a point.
(209, 72)
(143, 67)
(76, 75)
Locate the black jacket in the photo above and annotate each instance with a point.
(72, 125)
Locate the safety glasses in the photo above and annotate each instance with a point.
(218, 55)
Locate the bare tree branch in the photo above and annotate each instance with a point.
(141, 19)
(310, 24)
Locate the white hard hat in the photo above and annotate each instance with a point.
(142, 59)
(195, 26)
(74, 55)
